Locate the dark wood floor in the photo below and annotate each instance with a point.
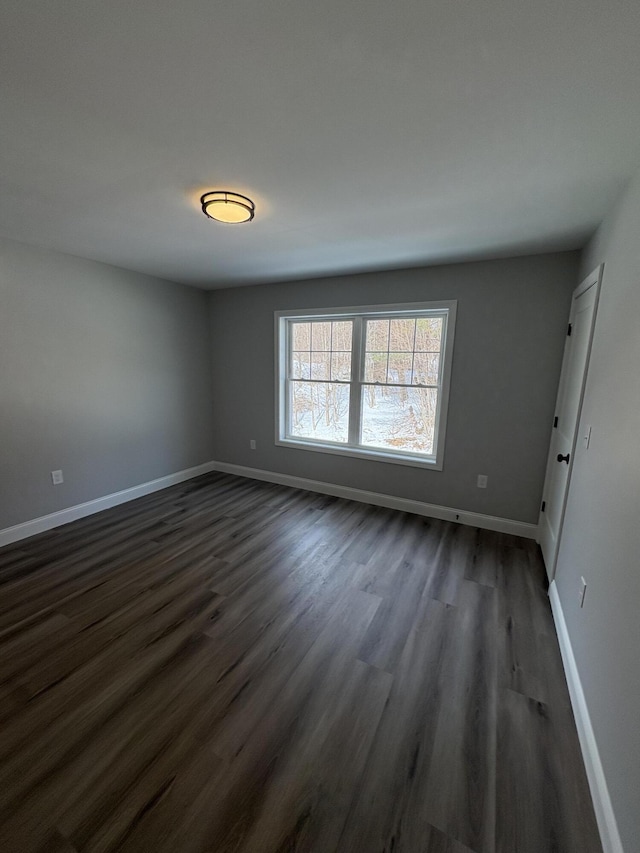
(235, 666)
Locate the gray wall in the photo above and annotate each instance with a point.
(103, 373)
(601, 538)
(510, 331)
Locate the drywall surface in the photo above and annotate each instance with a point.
(104, 374)
(601, 536)
(510, 331)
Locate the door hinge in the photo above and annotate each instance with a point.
(544, 503)
(555, 422)
(569, 327)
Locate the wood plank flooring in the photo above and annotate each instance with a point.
(230, 665)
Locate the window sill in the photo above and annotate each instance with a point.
(361, 453)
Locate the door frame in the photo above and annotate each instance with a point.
(594, 279)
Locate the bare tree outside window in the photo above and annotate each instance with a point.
(402, 358)
(321, 355)
(370, 382)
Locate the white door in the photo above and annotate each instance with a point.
(567, 415)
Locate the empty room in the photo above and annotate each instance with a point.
(319, 406)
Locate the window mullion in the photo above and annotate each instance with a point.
(413, 352)
(355, 395)
(386, 375)
(286, 385)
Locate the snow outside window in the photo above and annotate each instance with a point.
(368, 382)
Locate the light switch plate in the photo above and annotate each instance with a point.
(57, 477)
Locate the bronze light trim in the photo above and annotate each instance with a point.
(227, 207)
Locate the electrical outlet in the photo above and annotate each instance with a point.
(57, 477)
(582, 591)
(252, 444)
(483, 479)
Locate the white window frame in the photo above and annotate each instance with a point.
(283, 319)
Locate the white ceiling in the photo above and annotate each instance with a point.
(370, 134)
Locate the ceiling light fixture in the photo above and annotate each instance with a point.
(228, 207)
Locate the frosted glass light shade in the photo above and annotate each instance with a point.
(227, 207)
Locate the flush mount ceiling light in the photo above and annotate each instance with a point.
(229, 207)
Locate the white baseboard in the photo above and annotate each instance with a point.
(64, 516)
(603, 808)
(473, 519)
(72, 513)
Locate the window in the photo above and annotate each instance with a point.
(370, 382)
